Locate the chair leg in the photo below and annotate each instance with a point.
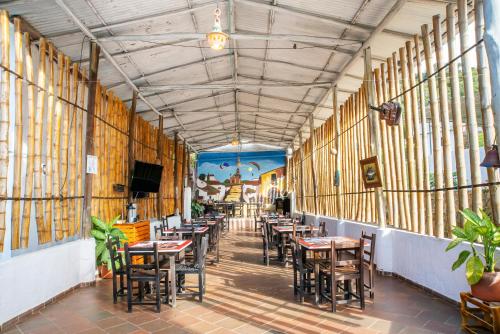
(158, 296)
(361, 293)
(200, 286)
(129, 295)
(372, 281)
(294, 282)
(115, 292)
(333, 292)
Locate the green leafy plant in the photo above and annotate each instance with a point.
(478, 227)
(197, 209)
(101, 231)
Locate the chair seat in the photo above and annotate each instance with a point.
(146, 275)
(187, 268)
(325, 268)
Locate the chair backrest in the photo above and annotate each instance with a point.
(159, 231)
(371, 252)
(265, 231)
(202, 252)
(357, 261)
(296, 255)
(113, 244)
(322, 229)
(146, 253)
(164, 222)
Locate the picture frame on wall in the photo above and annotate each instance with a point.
(370, 172)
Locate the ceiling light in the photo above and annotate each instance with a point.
(217, 39)
(235, 141)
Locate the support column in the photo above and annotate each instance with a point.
(302, 198)
(375, 141)
(89, 139)
(183, 179)
(492, 43)
(336, 118)
(176, 174)
(131, 142)
(313, 164)
(159, 156)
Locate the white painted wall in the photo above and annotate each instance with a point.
(33, 278)
(419, 258)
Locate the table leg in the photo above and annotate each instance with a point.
(173, 284)
(316, 279)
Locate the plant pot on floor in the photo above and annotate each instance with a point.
(488, 288)
(104, 272)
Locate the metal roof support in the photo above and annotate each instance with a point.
(89, 34)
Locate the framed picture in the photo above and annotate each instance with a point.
(371, 172)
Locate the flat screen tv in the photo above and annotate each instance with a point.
(146, 178)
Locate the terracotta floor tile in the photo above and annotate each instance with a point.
(245, 297)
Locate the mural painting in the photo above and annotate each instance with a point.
(240, 176)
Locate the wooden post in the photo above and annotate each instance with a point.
(374, 135)
(89, 139)
(176, 173)
(487, 114)
(470, 108)
(336, 117)
(445, 117)
(159, 155)
(184, 174)
(302, 194)
(492, 43)
(131, 142)
(313, 163)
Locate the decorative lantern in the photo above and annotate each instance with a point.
(217, 39)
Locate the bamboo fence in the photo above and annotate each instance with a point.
(446, 110)
(47, 125)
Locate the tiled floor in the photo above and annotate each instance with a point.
(243, 296)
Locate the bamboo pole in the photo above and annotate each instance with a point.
(4, 121)
(425, 143)
(436, 141)
(57, 148)
(302, 194)
(445, 118)
(176, 173)
(159, 155)
(397, 153)
(40, 115)
(338, 156)
(65, 148)
(18, 142)
(131, 137)
(374, 136)
(313, 163)
(410, 147)
(50, 128)
(28, 182)
(485, 101)
(72, 154)
(79, 165)
(401, 148)
(470, 109)
(420, 225)
(463, 200)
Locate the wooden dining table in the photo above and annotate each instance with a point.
(170, 248)
(284, 232)
(318, 245)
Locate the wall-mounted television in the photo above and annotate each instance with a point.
(146, 178)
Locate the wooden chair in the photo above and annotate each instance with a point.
(147, 272)
(197, 268)
(323, 232)
(265, 243)
(257, 221)
(344, 271)
(302, 271)
(117, 267)
(369, 261)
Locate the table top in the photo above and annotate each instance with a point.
(325, 243)
(188, 229)
(298, 228)
(164, 246)
(201, 223)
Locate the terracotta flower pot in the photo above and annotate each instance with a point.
(104, 272)
(488, 288)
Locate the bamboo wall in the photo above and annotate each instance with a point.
(42, 139)
(427, 176)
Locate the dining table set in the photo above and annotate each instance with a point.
(338, 269)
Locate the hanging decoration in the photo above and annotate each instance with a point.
(216, 38)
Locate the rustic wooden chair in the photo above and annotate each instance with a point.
(146, 272)
(257, 221)
(197, 268)
(369, 261)
(265, 243)
(323, 232)
(117, 267)
(346, 271)
(302, 271)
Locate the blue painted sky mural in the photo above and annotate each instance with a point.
(252, 164)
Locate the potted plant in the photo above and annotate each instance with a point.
(197, 209)
(479, 264)
(101, 231)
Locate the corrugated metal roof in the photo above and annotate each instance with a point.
(181, 61)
